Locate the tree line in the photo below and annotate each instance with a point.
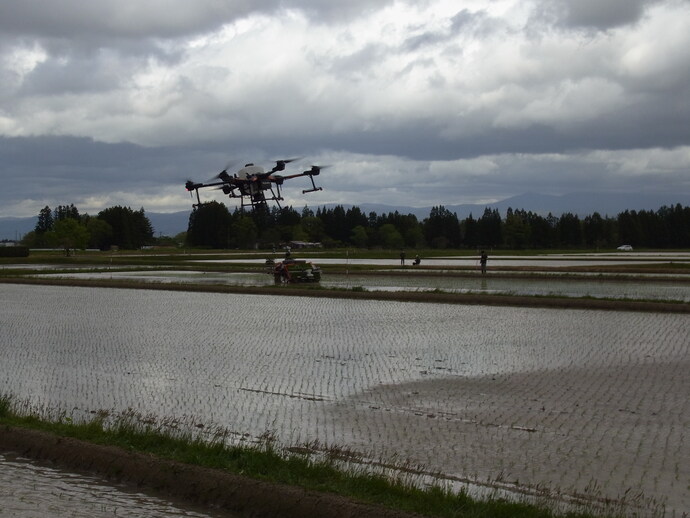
(64, 227)
(213, 225)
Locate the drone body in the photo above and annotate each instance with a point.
(253, 185)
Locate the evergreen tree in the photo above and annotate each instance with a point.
(516, 229)
(64, 212)
(209, 225)
(130, 229)
(442, 228)
(470, 232)
(244, 232)
(569, 230)
(490, 228)
(45, 221)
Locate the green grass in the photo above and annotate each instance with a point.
(264, 461)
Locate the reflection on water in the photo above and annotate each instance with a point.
(586, 286)
(471, 262)
(29, 490)
(555, 286)
(348, 373)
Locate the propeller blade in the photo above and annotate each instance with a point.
(227, 189)
(223, 175)
(280, 164)
(288, 160)
(316, 169)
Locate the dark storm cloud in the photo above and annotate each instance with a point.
(65, 170)
(121, 102)
(597, 14)
(75, 19)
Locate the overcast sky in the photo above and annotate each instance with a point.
(411, 102)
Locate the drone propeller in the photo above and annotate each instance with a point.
(190, 185)
(315, 170)
(311, 173)
(280, 164)
(223, 175)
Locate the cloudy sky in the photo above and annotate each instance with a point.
(411, 102)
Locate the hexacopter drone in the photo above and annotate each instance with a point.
(253, 185)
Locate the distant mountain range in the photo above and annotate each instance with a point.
(582, 204)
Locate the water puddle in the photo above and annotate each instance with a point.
(29, 489)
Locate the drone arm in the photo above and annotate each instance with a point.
(311, 173)
(196, 186)
(314, 187)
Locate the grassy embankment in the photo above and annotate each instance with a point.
(265, 462)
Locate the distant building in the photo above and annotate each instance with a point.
(304, 244)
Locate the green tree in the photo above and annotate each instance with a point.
(490, 228)
(470, 232)
(442, 228)
(131, 229)
(65, 211)
(100, 233)
(69, 233)
(335, 223)
(390, 237)
(569, 230)
(354, 218)
(209, 225)
(414, 235)
(45, 220)
(314, 228)
(628, 229)
(542, 230)
(244, 232)
(594, 230)
(359, 236)
(516, 230)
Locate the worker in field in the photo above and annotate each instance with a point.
(483, 258)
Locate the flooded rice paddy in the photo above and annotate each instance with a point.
(29, 489)
(589, 403)
(581, 286)
(545, 262)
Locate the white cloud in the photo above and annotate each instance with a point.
(421, 100)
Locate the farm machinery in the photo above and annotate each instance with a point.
(292, 271)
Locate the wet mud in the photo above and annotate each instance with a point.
(430, 297)
(215, 489)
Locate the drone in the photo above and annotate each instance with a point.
(253, 185)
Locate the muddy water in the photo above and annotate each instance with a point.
(671, 290)
(584, 402)
(32, 490)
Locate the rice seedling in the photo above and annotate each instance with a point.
(265, 460)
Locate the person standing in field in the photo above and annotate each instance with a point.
(402, 257)
(483, 258)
